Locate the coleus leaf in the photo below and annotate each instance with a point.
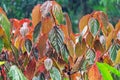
(113, 51)
(89, 39)
(36, 32)
(5, 25)
(55, 74)
(30, 69)
(4, 38)
(36, 14)
(57, 12)
(16, 74)
(90, 56)
(103, 20)
(56, 38)
(93, 73)
(65, 53)
(94, 26)
(98, 46)
(68, 23)
(41, 44)
(45, 8)
(70, 45)
(47, 25)
(80, 48)
(117, 60)
(28, 45)
(35, 52)
(83, 22)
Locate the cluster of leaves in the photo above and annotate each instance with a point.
(46, 47)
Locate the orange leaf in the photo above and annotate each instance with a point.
(36, 14)
(2, 32)
(117, 28)
(89, 39)
(93, 73)
(80, 48)
(65, 30)
(109, 39)
(76, 76)
(78, 64)
(42, 43)
(83, 22)
(70, 46)
(15, 23)
(74, 37)
(98, 46)
(109, 28)
(68, 23)
(47, 25)
(2, 11)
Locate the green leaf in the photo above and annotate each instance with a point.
(36, 32)
(16, 74)
(35, 52)
(1, 44)
(28, 45)
(94, 26)
(55, 74)
(56, 38)
(104, 71)
(4, 38)
(65, 53)
(15, 52)
(5, 25)
(2, 62)
(57, 12)
(112, 69)
(113, 51)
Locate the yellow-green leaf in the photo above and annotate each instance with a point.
(117, 60)
(2, 62)
(5, 25)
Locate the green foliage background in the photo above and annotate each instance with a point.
(76, 8)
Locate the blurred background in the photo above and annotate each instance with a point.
(75, 8)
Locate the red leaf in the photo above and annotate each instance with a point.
(3, 73)
(30, 69)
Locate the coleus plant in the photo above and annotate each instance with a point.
(45, 48)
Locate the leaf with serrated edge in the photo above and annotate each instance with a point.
(56, 38)
(94, 26)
